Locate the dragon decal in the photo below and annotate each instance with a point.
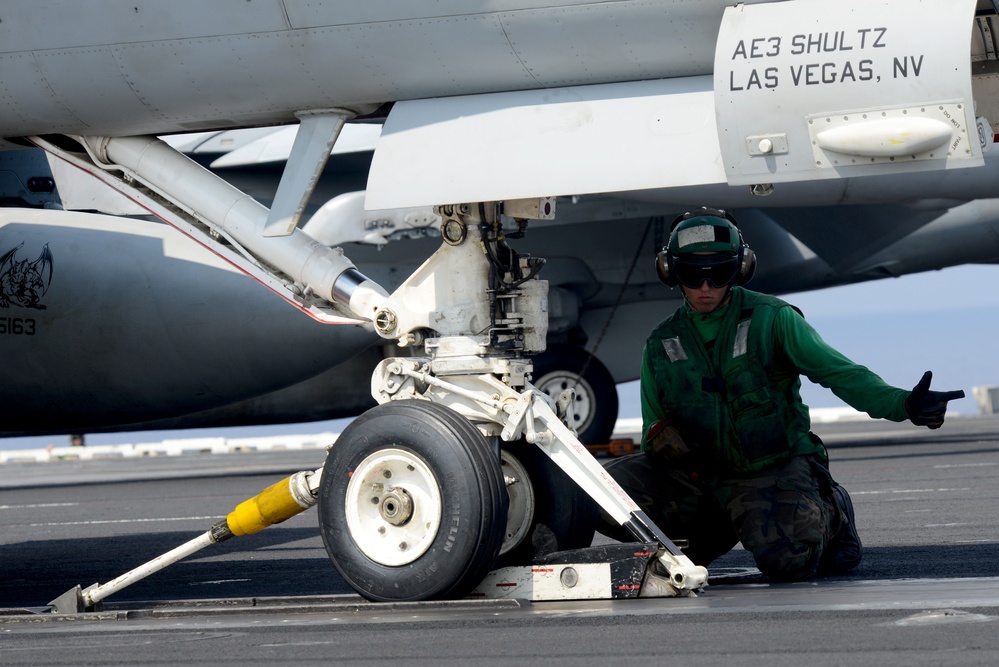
(24, 283)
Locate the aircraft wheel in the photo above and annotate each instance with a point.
(548, 511)
(411, 503)
(595, 407)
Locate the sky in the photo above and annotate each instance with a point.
(945, 321)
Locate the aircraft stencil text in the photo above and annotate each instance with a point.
(17, 326)
(831, 71)
(812, 74)
(802, 44)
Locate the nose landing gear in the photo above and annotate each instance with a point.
(414, 502)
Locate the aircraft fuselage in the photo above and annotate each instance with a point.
(184, 66)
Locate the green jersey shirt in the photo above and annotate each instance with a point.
(787, 346)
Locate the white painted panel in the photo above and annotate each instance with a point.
(564, 141)
(885, 75)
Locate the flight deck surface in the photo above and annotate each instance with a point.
(927, 591)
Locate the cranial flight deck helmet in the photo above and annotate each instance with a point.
(705, 230)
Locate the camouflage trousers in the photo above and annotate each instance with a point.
(784, 517)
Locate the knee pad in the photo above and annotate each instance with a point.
(785, 561)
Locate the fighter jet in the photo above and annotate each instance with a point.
(496, 117)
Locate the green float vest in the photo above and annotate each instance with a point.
(736, 407)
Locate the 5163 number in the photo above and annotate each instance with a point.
(17, 326)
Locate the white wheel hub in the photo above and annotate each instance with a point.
(519, 490)
(556, 382)
(393, 507)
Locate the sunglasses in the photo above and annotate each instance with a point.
(719, 269)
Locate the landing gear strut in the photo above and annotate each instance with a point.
(479, 310)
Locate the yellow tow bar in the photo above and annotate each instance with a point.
(274, 504)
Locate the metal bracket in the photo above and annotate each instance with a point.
(317, 133)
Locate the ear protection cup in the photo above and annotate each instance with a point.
(664, 268)
(745, 255)
(747, 263)
(664, 261)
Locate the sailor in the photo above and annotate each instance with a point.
(727, 452)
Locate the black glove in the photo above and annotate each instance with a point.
(927, 408)
(665, 442)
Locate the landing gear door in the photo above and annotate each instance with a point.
(812, 89)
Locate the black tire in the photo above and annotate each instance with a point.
(595, 409)
(439, 543)
(563, 516)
